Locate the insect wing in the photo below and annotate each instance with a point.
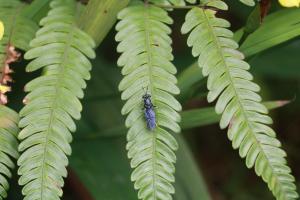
(150, 118)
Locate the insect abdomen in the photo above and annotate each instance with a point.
(150, 118)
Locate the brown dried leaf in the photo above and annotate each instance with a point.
(11, 56)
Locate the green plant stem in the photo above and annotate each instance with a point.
(100, 16)
(183, 7)
(177, 7)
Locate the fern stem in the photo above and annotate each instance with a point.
(176, 7)
(183, 7)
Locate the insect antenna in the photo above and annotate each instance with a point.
(145, 89)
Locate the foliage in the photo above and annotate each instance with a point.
(19, 29)
(8, 146)
(58, 53)
(263, 39)
(238, 101)
(106, 142)
(146, 56)
(53, 100)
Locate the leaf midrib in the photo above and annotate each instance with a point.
(149, 58)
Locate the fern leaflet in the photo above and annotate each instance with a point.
(61, 49)
(146, 63)
(238, 101)
(8, 146)
(248, 2)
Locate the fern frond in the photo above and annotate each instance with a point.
(145, 45)
(238, 101)
(62, 50)
(19, 30)
(8, 146)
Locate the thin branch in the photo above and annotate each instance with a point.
(183, 7)
(177, 7)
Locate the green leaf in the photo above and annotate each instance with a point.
(190, 184)
(248, 2)
(146, 63)
(263, 38)
(188, 78)
(8, 146)
(62, 50)
(231, 85)
(281, 62)
(199, 117)
(19, 29)
(100, 139)
(37, 10)
(252, 24)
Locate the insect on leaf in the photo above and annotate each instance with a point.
(145, 44)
